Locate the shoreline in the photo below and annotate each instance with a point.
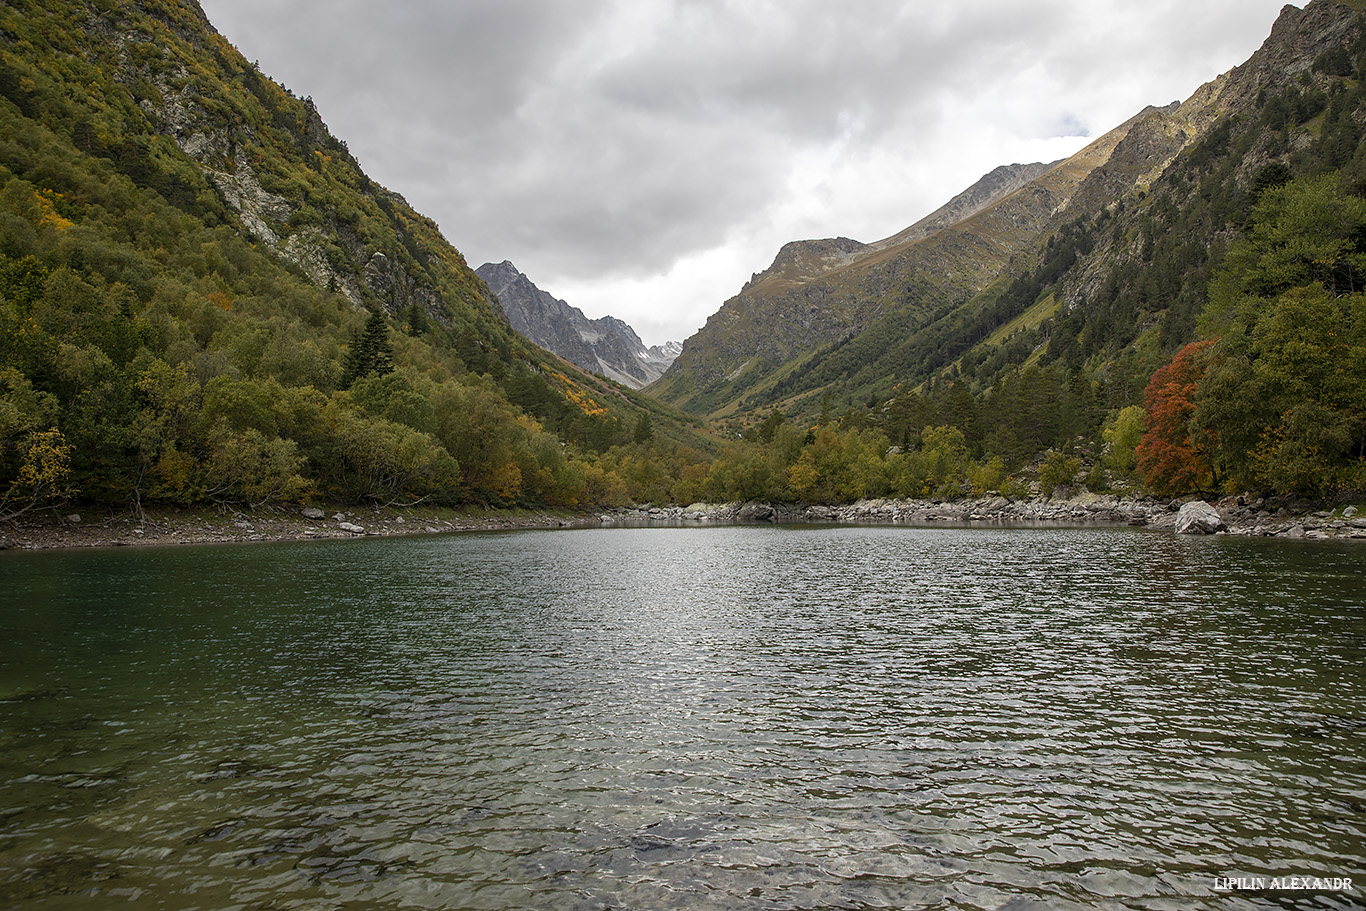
(163, 526)
(1239, 516)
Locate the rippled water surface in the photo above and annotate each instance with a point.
(717, 718)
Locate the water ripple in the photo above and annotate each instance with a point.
(686, 718)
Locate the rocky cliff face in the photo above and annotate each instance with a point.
(605, 345)
(284, 179)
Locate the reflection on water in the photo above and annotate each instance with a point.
(728, 718)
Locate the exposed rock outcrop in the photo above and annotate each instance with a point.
(178, 110)
(605, 345)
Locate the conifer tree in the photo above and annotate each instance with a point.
(370, 351)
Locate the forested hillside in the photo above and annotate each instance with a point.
(1202, 333)
(204, 299)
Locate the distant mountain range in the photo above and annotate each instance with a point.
(605, 345)
(820, 292)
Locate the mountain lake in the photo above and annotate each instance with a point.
(687, 718)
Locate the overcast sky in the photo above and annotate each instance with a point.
(643, 157)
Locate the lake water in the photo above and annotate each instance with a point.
(712, 718)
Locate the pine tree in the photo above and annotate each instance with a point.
(645, 431)
(415, 320)
(370, 351)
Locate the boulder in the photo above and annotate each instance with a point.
(1198, 518)
(353, 529)
(312, 512)
(757, 512)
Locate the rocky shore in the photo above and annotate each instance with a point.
(87, 528)
(1234, 515)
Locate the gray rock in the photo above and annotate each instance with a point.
(74, 519)
(1198, 518)
(1164, 520)
(352, 528)
(756, 512)
(312, 512)
(605, 345)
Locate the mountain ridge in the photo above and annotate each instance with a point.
(790, 313)
(606, 345)
(776, 318)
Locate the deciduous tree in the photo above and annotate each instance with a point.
(1170, 460)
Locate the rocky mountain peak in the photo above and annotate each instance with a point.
(802, 260)
(605, 345)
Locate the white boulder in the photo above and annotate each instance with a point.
(1198, 518)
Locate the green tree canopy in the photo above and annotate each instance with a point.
(370, 352)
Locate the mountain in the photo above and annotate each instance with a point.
(818, 292)
(857, 320)
(605, 345)
(204, 298)
(1188, 317)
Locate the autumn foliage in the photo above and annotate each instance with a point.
(1170, 460)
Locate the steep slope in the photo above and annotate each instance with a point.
(857, 319)
(1125, 278)
(605, 345)
(1195, 322)
(204, 297)
(818, 292)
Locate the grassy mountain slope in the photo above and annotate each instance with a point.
(892, 286)
(187, 259)
(888, 315)
(1194, 321)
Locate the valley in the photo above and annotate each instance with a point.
(205, 300)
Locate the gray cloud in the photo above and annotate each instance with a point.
(610, 145)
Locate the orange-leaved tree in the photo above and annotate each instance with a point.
(1170, 460)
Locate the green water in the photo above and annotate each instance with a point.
(727, 718)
